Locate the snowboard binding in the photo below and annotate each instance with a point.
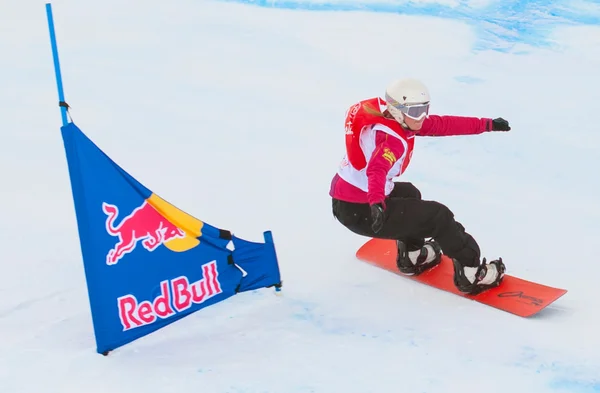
(429, 257)
(486, 276)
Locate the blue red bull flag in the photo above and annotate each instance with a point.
(148, 263)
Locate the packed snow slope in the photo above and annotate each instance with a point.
(234, 112)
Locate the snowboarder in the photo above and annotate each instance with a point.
(380, 135)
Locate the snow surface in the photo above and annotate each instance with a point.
(234, 113)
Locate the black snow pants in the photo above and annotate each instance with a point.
(411, 219)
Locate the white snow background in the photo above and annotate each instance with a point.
(234, 112)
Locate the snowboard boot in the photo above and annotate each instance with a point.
(474, 280)
(416, 262)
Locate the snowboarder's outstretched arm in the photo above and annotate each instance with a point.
(436, 125)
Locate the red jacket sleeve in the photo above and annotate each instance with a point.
(387, 151)
(454, 125)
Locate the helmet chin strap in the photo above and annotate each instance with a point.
(401, 120)
(403, 123)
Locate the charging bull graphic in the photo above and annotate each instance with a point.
(144, 224)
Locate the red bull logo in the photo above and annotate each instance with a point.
(145, 224)
(175, 296)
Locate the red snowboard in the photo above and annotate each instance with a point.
(513, 295)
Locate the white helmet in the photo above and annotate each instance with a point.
(407, 97)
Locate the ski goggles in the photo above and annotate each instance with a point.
(414, 111)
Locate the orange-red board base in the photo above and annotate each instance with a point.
(514, 295)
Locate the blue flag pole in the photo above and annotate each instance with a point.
(61, 94)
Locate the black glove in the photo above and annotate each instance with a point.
(499, 124)
(377, 216)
